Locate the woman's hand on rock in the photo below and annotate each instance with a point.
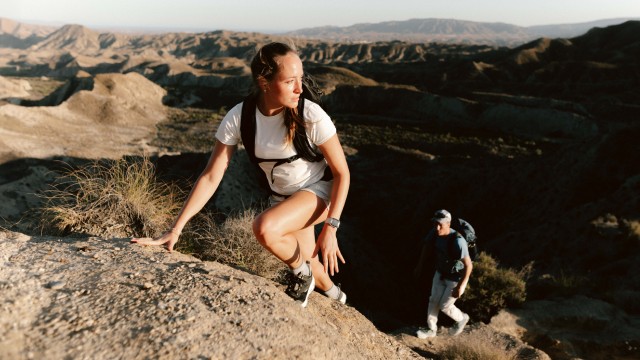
(168, 239)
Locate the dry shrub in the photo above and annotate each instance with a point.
(561, 284)
(110, 198)
(475, 348)
(233, 243)
(122, 198)
(492, 289)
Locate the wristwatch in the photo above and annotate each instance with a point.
(333, 222)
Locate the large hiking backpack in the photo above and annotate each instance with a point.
(300, 139)
(468, 233)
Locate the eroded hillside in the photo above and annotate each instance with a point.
(536, 145)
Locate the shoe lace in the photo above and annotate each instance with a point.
(293, 282)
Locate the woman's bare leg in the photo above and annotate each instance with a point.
(286, 230)
(307, 242)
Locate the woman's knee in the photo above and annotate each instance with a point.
(265, 229)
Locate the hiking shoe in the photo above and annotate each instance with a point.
(457, 328)
(424, 333)
(299, 287)
(342, 297)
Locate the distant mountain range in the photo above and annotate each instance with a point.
(14, 34)
(449, 31)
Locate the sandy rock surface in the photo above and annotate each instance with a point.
(13, 88)
(116, 117)
(97, 299)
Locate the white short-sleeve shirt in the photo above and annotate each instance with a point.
(271, 144)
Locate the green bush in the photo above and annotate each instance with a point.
(492, 289)
(110, 198)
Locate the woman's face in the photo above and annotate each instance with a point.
(286, 86)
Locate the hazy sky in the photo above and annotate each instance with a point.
(279, 15)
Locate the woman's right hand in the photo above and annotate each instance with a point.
(169, 239)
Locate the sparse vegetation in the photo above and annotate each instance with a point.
(492, 289)
(233, 243)
(188, 129)
(475, 348)
(110, 198)
(41, 86)
(123, 198)
(563, 283)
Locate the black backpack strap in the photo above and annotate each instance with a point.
(248, 134)
(300, 139)
(452, 243)
(248, 126)
(452, 257)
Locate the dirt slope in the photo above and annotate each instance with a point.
(104, 298)
(112, 119)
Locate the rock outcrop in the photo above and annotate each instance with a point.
(86, 297)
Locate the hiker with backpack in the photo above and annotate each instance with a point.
(453, 269)
(295, 144)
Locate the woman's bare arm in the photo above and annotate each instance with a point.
(205, 186)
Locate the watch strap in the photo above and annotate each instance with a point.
(333, 222)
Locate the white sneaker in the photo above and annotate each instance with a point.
(424, 333)
(457, 328)
(342, 297)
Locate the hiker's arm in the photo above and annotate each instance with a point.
(462, 284)
(205, 186)
(207, 183)
(327, 242)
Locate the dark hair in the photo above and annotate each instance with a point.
(265, 64)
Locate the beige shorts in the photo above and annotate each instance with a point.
(321, 189)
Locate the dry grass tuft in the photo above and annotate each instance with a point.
(123, 198)
(110, 198)
(475, 348)
(233, 243)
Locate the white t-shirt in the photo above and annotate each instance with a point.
(271, 144)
